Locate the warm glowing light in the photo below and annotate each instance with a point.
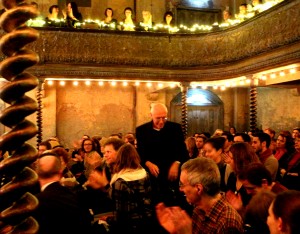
(75, 83)
(273, 76)
(50, 82)
(137, 83)
(149, 84)
(293, 70)
(242, 82)
(62, 83)
(263, 77)
(248, 81)
(215, 87)
(204, 87)
(100, 83)
(172, 85)
(282, 73)
(160, 85)
(125, 83)
(194, 86)
(113, 83)
(223, 88)
(88, 83)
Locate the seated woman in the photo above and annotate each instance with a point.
(130, 190)
(109, 22)
(146, 24)
(72, 15)
(128, 23)
(284, 213)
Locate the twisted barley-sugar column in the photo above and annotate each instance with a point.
(16, 200)
(253, 108)
(184, 111)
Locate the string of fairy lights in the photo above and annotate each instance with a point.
(99, 24)
(257, 79)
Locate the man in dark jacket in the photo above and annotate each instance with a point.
(59, 209)
(160, 144)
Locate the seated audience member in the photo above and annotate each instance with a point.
(67, 179)
(199, 144)
(255, 220)
(226, 17)
(130, 191)
(91, 157)
(206, 134)
(284, 150)
(59, 209)
(242, 155)
(96, 196)
(291, 171)
(43, 146)
(296, 132)
(128, 24)
(232, 129)
(200, 182)
(53, 12)
(72, 14)
(169, 19)
(284, 213)
(261, 143)
(226, 147)
(242, 137)
(52, 19)
(271, 133)
(109, 21)
(257, 177)
(191, 147)
(218, 132)
(257, 6)
(242, 15)
(146, 24)
(130, 138)
(213, 148)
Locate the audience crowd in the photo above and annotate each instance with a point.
(72, 18)
(156, 181)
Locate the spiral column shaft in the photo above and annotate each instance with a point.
(253, 108)
(184, 111)
(17, 203)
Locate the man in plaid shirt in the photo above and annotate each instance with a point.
(212, 214)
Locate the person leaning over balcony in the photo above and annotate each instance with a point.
(128, 24)
(200, 182)
(109, 21)
(72, 14)
(147, 23)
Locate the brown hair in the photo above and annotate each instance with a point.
(127, 158)
(243, 154)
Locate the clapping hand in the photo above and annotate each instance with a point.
(174, 219)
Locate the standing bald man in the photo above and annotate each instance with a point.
(160, 144)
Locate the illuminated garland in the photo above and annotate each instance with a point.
(98, 24)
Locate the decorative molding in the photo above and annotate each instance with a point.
(268, 40)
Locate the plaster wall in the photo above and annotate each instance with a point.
(278, 109)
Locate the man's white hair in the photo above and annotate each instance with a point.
(158, 106)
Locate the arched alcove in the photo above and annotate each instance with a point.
(205, 111)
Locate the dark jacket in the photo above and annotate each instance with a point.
(59, 211)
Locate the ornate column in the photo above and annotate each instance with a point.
(253, 104)
(17, 178)
(39, 115)
(184, 123)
